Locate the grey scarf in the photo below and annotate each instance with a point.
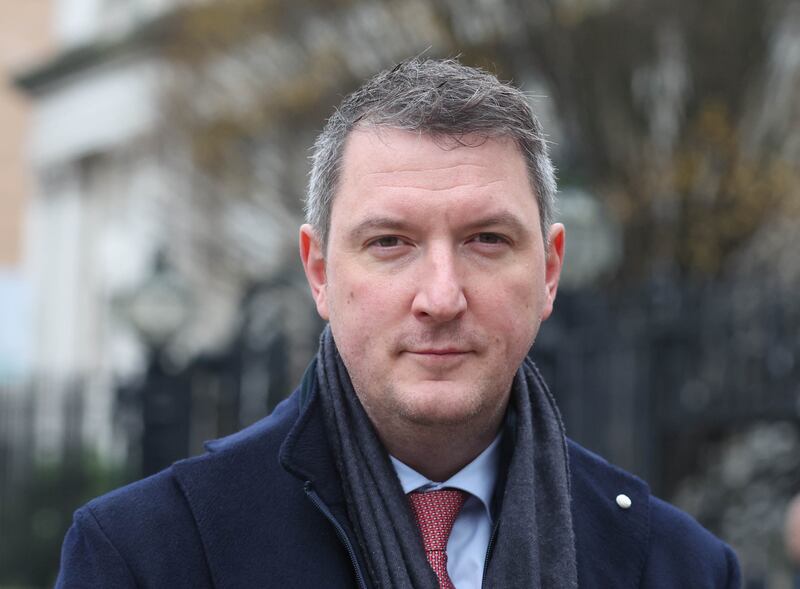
(533, 544)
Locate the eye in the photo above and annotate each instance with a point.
(386, 241)
(490, 238)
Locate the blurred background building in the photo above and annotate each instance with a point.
(153, 162)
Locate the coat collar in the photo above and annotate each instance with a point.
(305, 453)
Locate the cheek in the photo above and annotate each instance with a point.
(362, 311)
(374, 298)
(513, 312)
(520, 299)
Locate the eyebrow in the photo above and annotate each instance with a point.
(371, 224)
(383, 223)
(502, 219)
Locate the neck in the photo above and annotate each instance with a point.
(438, 451)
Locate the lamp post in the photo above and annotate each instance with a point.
(157, 310)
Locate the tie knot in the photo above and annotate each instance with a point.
(436, 512)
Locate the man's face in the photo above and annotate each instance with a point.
(435, 279)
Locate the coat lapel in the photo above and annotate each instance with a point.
(611, 541)
(250, 507)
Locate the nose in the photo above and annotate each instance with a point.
(440, 294)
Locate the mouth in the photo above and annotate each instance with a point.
(439, 358)
(438, 351)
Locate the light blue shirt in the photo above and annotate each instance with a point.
(469, 540)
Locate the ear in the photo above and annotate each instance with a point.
(552, 267)
(314, 266)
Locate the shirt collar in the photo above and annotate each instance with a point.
(478, 478)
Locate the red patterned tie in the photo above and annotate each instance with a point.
(436, 512)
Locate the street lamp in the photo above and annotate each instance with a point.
(157, 310)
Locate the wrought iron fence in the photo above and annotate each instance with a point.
(635, 375)
(47, 469)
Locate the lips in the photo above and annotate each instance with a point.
(435, 360)
(439, 351)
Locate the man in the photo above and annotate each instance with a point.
(421, 449)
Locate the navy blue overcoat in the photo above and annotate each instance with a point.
(263, 508)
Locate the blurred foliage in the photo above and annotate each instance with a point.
(37, 511)
(659, 101)
(718, 193)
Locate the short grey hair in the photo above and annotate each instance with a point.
(442, 98)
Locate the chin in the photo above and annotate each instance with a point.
(441, 408)
(442, 419)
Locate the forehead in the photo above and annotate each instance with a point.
(422, 152)
(383, 161)
(402, 179)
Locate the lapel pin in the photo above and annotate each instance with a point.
(623, 501)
